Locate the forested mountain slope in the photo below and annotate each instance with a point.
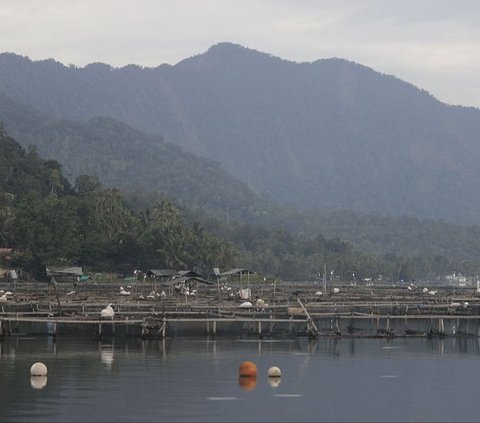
(330, 133)
(129, 160)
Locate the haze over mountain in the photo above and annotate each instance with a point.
(330, 133)
(128, 159)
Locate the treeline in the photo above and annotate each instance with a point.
(297, 257)
(49, 221)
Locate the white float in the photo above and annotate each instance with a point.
(274, 371)
(38, 369)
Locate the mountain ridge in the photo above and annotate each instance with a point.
(327, 133)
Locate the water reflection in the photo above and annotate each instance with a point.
(274, 381)
(38, 382)
(106, 356)
(247, 383)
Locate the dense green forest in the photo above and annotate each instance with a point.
(148, 170)
(48, 221)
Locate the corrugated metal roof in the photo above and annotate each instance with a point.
(238, 272)
(190, 273)
(183, 279)
(56, 271)
(163, 273)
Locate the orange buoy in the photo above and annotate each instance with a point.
(247, 369)
(248, 383)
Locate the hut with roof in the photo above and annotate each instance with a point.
(245, 293)
(66, 274)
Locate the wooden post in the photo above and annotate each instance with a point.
(441, 327)
(325, 279)
(214, 328)
(260, 330)
(164, 328)
(313, 328)
(99, 330)
(54, 282)
(337, 326)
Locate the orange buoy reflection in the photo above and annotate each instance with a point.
(247, 383)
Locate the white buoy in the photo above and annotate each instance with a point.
(246, 304)
(38, 369)
(274, 376)
(319, 293)
(3, 299)
(336, 290)
(274, 372)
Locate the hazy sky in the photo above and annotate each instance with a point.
(434, 44)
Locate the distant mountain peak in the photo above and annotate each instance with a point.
(226, 54)
(225, 46)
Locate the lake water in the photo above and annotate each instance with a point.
(190, 379)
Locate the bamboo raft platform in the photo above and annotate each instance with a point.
(293, 310)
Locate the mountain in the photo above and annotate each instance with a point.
(330, 133)
(128, 159)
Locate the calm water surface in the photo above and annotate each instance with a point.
(185, 379)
